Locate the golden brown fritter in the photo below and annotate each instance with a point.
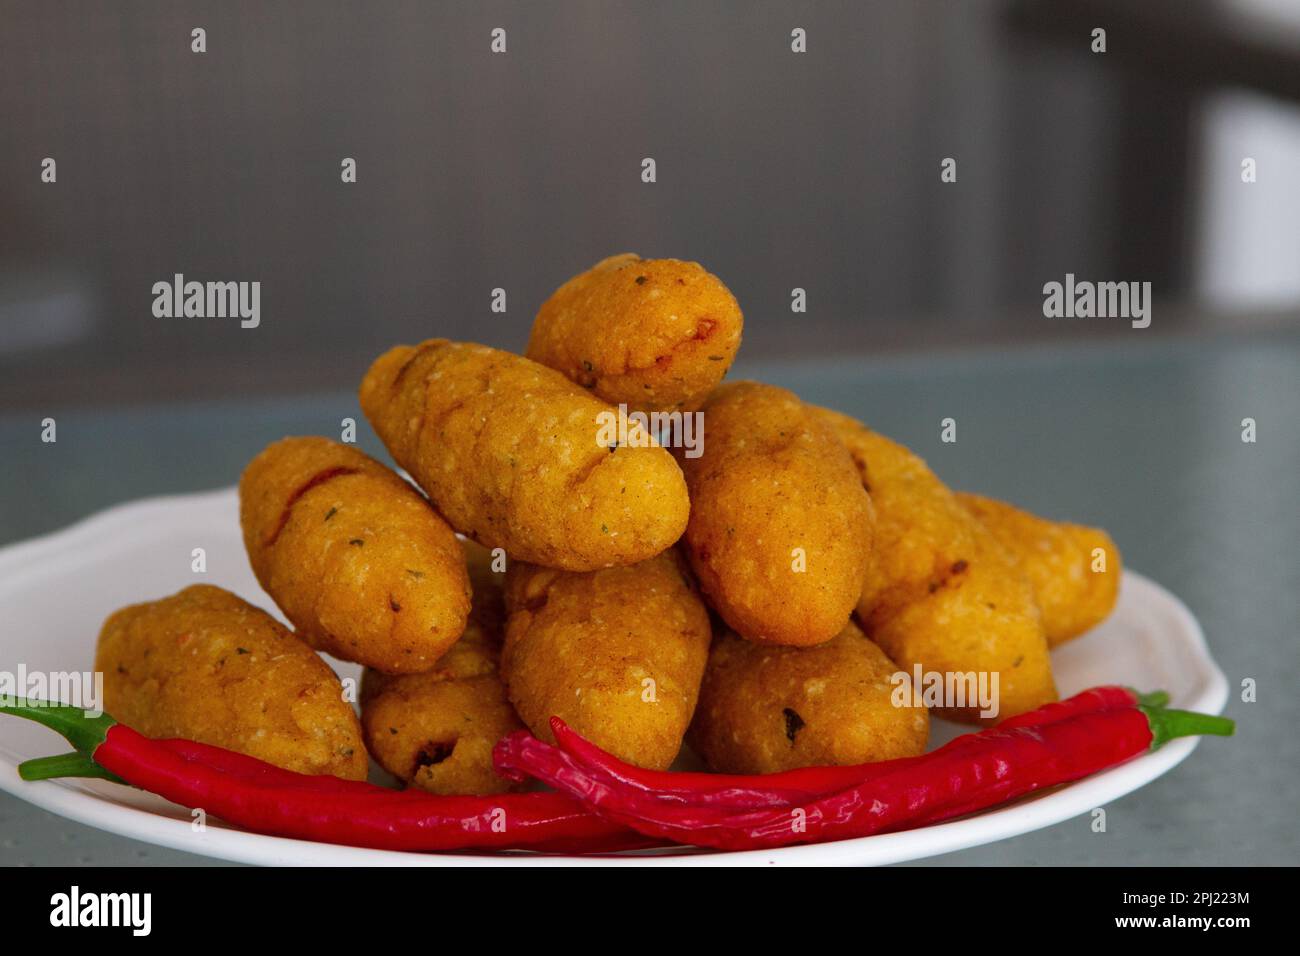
(618, 654)
(653, 334)
(1074, 570)
(780, 529)
(355, 557)
(941, 591)
(768, 709)
(207, 666)
(436, 730)
(508, 451)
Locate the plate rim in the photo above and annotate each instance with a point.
(231, 844)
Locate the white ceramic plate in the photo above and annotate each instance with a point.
(56, 591)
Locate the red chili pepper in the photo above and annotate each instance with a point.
(259, 771)
(792, 786)
(989, 768)
(1093, 699)
(266, 799)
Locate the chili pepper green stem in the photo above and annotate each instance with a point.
(73, 764)
(1166, 724)
(1157, 698)
(84, 733)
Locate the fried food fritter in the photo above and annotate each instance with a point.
(654, 334)
(354, 556)
(768, 709)
(618, 654)
(1074, 569)
(436, 730)
(941, 591)
(207, 666)
(780, 527)
(508, 451)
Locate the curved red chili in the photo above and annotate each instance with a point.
(969, 774)
(1056, 744)
(266, 799)
(791, 786)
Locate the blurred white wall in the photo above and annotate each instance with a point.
(1248, 245)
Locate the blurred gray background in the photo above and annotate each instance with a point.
(476, 171)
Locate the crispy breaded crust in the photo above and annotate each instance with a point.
(941, 591)
(1059, 560)
(768, 709)
(618, 654)
(775, 478)
(436, 730)
(207, 666)
(356, 558)
(654, 334)
(508, 451)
